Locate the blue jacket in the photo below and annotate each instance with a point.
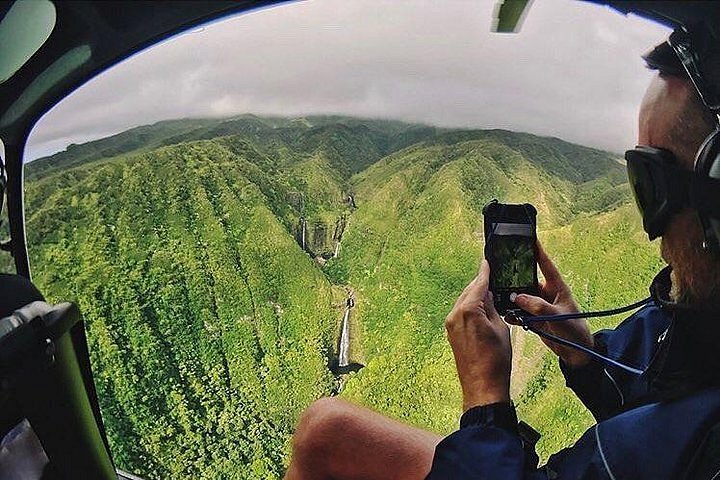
(649, 426)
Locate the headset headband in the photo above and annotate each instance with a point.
(699, 57)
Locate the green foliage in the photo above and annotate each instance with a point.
(337, 272)
(211, 329)
(6, 261)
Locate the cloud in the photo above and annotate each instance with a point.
(573, 72)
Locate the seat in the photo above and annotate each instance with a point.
(49, 416)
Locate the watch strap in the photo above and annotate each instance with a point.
(501, 414)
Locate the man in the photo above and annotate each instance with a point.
(649, 426)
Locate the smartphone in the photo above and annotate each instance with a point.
(511, 250)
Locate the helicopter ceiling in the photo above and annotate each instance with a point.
(509, 14)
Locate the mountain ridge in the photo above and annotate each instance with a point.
(168, 132)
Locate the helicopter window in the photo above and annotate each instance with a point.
(239, 250)
(23, 30)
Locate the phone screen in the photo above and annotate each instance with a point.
(513, 246)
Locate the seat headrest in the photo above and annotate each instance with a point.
(16, 292)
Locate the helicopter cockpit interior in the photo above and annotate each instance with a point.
(51, 423)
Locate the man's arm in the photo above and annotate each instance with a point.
(556, 299)
(596, 386)
(488, 444)
(480, 341)
(479, 452)
(606, 390)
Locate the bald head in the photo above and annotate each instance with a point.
(672, 117)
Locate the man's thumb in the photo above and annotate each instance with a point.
(534, 305)
(490, 307)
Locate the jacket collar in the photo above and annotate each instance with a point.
(687, 358)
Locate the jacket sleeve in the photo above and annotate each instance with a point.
(483, 450)
(479, 452)
(594, 384)
(606, 390)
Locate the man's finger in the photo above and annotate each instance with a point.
(547, 267)
(478, 286)
(549, 291)
(533, 304)
(465, 291)
(490, 311)
(484, 274)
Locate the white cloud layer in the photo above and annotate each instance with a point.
(573, 72)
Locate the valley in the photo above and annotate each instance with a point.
(232, 271)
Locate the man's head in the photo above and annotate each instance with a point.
(673, 117)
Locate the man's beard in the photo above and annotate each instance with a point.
(696, 272)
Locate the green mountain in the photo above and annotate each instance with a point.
(213, 259)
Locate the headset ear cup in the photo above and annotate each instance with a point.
(713, 171)
(708, 154)
(707, 165)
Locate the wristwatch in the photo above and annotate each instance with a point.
(501, 414)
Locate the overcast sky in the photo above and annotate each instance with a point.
(574, 71)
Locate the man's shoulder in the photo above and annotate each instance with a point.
(650, 313)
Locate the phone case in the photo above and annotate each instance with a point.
(496, 212)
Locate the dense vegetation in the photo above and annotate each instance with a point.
(204, 256)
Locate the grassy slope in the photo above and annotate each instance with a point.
(209, 327)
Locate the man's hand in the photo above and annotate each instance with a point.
(555, 298)
(481, 344)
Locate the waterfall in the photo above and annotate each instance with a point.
(337, 249)
(345, 362)
(344, 354)
(302, 221)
